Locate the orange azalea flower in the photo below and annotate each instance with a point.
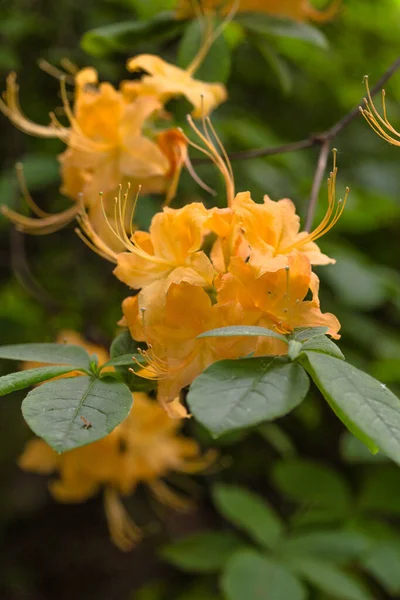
(279, 296)
(165, 81)
(299, 10)
(105, 146)
(145, 448)
(275, 300)
(169, 253)
(175, 357)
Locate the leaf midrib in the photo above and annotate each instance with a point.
(81, 403)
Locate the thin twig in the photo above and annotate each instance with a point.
(314, 139)
(318, 177)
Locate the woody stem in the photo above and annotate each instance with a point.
(319, 174)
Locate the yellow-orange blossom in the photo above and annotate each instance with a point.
(258, 272)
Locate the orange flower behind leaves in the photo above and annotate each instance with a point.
(165, 81)
(145, 448)
(175, 357)
(276, 300)
(299, 10)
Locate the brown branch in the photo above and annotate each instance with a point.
(314, 139)
(319, 174)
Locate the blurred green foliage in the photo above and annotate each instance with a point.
(337, 504)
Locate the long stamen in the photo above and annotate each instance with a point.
(53, 71)
(170, 498)
(10, 107)
(25, 192)
(379, 124)
(332, 215)
(42, 226)
(124, 532)
(211, 151)
(91, 238)
(197, 178)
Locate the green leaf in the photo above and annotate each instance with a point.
(382, 562)
(311, 483)
(249, 512)
(323, 345)
(277, 27)
(124, 360)
(276, 62)
(251, 576)
(339, 546)
(217, 64)
(233, 394)
(303, 334)
(123, 344)
(57, 411)
(23, 379)
(364, 404)
(59, 354)
(277, 438)
(205, 552)
(146, 9)
(331, 580)
(122, 37)
(242, 330)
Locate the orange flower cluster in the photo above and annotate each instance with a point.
(299, 10)
(143, 449)
(114, 136)
(258, 271)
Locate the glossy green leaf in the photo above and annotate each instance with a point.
(276, 27)
(303, 334)
(217, 64)
(233, 394)
(249, 512)
(23, 379)
(204, 552)
(338, 546)
(311, 483)
(323, 345)
(242, 330)
(364, 404)
(123, 344)
(124, 360)
(60, 411)
(122, 37)
(59, 354)
(330, 579)
(252, 576)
